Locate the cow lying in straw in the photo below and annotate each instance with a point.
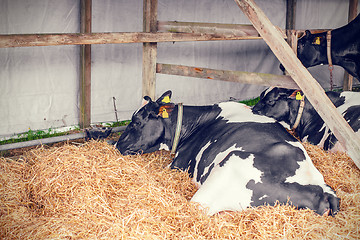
(237, 158)
(284, 106)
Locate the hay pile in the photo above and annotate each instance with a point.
(93, 192)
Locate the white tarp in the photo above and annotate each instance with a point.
(39, 86)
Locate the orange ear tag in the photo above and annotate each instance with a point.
(317, 41)
(164, 113)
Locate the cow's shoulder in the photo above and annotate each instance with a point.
(348, 99)
(234, 112)
(335, 98)
(351, 98)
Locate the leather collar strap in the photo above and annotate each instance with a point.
(328, 51)
(300, 111)
(178, 128)
(328, 48)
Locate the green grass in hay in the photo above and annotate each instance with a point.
(251, 102)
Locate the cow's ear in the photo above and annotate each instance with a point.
(318, 40)
(145, 101)
(307, 33)
(297, 94)
(165, 111)
(165, 98)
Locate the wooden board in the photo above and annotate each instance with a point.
(290, 14)
(230, 30)
(149, 50)
(348, 79)
(263, 79)
(85, 65)
(29, 40)
(312, 89)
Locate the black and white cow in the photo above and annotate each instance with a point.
(97, 133)
(238, 159)
(281, 104)
(345, 48)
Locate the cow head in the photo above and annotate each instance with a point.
(147, 129)
(277, 103)
(311, 49)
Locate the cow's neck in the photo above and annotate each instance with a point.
(339, 36)
(194, 117)
(309, 119)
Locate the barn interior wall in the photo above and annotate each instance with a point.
(39, 86)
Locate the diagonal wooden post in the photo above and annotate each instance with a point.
(312, 89)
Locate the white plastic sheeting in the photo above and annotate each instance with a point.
(39, 86)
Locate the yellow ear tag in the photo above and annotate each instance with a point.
(166, 99)
(298, 96)
(164, 113)
(317, 41)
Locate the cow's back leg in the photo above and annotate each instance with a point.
(338, 147)
(352, 66)
(225, 188)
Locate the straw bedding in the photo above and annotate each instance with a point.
(93, 192)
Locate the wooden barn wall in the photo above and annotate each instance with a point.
(39, 86)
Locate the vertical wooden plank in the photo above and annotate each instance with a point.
(149, 49)
(294, 40)
(348, 79)
(290, 24)
(312, 89)
(290, 14)
(85, 66)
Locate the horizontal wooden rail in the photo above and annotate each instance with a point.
(194, 32)
(28, 40)
(300, 32)
(245, 30)
(240, 30)
(226, 75)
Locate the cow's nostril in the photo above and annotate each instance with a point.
(130, 152)
(256, 110)
(122, 151)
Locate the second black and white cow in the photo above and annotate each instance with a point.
(344, 44)
(238, 159)
(282, 105)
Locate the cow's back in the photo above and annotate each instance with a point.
(243, 160)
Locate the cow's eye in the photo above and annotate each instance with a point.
(137, 124)
(270, 102)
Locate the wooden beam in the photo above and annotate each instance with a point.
(290, 14)
(348, 79)
(29, 40)
(353, 7)
(85, 65)
(263, 79)
(239, 30)
(290, 24)
(149, 49)
(312, 89)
